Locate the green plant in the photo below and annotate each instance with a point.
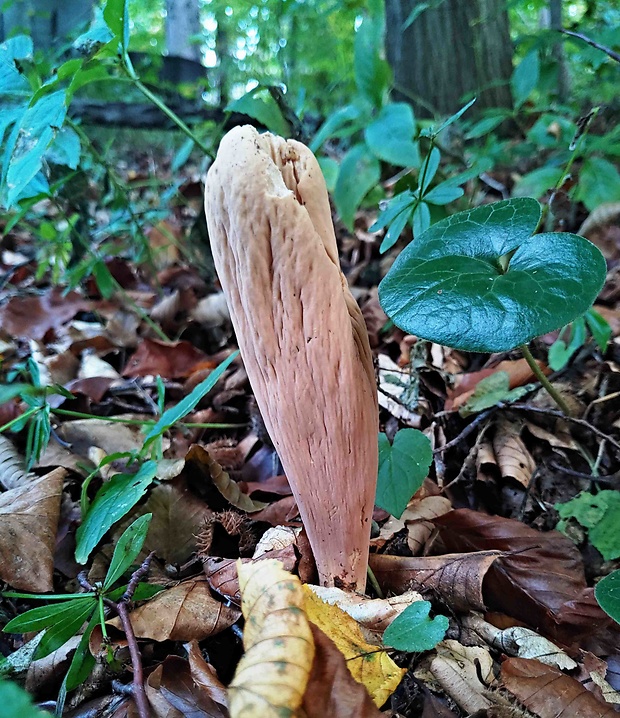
(607, 593)
(414, 631)
(599, 514)
(403, 466)
(64, 618)
(481, 281)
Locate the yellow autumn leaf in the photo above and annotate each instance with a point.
(369, 665)
(271, 677)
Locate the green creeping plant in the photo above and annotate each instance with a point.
(481, 281)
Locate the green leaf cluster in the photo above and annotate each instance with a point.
(600, 515)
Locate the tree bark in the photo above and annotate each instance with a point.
(182, 24)
(452, 50)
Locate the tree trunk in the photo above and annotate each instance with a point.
(182, 24)
(49, 22)
(454, 49)
(555, 22)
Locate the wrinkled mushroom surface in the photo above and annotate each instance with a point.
(302, 337)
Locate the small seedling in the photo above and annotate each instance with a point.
(482, 281)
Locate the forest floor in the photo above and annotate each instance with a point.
(479, 539)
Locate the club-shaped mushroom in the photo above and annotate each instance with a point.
(302, 338)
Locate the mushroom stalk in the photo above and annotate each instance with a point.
(302, 338)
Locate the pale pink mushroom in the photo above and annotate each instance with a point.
(302, 338)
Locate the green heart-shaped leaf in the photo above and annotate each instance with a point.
(413, 630)
(403, 466)
(479, 281)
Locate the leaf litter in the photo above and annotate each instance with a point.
(478, 542)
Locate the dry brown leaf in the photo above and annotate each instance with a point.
(12, 471)
(279, 512)
(387, 532)
(173, 693)
(417, 520)
(272, 675)
(222, 575)
(166, 309)
(513, 458)
(229, 489)
(28, 523)
(537, 576)
(332, 691)
(204, 675)
(461, 671)
(521, 642)
(46, 672)
(170, 360)
(178, 515)
(457, 578)
(182, 613)
(370, 666)
(549, 693)
(212, 311)
(560, 438)
(276, 539)
(110, 437)
(31, 317)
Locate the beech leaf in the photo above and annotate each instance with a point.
(272, 675)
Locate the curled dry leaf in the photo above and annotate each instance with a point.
(457, 578)
(222, 575)
(212, 311)
(394, 385)
(204, 675)
(12, 471)
(521, 642)
(549, 693)
(272, 675)
(276, 539)
(370, 666)
(28, 523)
(182, 613)
(513, 457)
(461, 671)
(229, 489)
(332, 691)
(372, 614)
(417, 517)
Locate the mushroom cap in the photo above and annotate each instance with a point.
(302, 338)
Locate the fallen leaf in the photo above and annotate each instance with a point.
(110, 437)
(538, 573)
(518, 371)
(182, 613)
(170, 360)
(513, 458)
(276, 539)
(28, 523)
(178, 515)
(280, 512)
(222, 572)
(549, 693)
(12, 470)
(272, 675)
(372, 614)
(395, 386)
(204, 675)
(520, 642)
(461, 671)
(370, 666)
(229, 489)
(457, 578)
(332, 691)
(417, 518)
(33, 316)
(173, 693)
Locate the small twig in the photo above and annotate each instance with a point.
(136, 577)
(561, 415)
(608, 51)
(139, 694)
(467, 430)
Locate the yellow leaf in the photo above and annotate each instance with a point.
(271, 678)
(370, 666)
